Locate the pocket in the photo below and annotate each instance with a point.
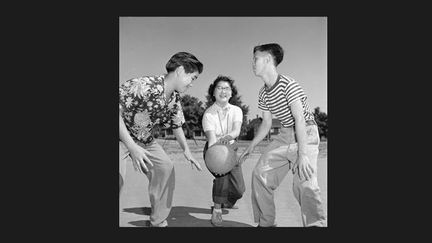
(292, 148)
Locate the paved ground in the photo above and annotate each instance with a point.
(192, 195)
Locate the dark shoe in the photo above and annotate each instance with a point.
(216, 218)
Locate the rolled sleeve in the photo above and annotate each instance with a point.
(294, 92)
(238, 114)
(207, 124)
(177, 120)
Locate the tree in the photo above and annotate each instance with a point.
(321, 120)
(251, 128)
(193, 111)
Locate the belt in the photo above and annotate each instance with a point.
(289, 132)
(308, 123)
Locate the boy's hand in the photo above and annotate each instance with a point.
(245, 154)
(191, 159)
(303, 168)
(139, 158)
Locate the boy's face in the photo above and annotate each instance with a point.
(185, 80)
(259, 62)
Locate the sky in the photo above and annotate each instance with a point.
(225, 47)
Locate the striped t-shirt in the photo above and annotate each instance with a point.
(280, 96)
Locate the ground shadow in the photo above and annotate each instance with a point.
(181, 217)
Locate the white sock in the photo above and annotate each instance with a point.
(218, 210)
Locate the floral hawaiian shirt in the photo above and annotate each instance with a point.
(143, 105)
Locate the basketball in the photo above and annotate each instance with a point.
(220, 158)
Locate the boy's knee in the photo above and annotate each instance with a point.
(311, 194)
(257, 172)
(167, 166)
(309, 185)
(259, 168)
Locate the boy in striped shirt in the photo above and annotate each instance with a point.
(295, 148)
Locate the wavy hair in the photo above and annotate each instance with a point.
(274, 49)
(221, 78)
(189, 62)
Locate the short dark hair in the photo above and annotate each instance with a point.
(189, 62)
(273, 49)
(222, 78)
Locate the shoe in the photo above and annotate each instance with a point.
(162, 224)
(216, 218)
(229, 206)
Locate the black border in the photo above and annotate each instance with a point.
(81, 161)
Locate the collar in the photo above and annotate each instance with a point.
(269, 89)
(219, 108)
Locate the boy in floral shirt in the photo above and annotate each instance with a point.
(148, 101)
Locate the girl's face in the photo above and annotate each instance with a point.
(222, 92)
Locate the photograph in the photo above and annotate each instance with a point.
(223, 121)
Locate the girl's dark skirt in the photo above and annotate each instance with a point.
(227, 189)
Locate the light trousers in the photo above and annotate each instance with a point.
(161, 178)
(277, 160)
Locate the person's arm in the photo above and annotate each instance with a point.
(263, 130)
(302, 164)
(181, 139)
(209, 129)
(233, 134)
(236, 130)
(138, 154)
(211, 137)
(236, 127)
